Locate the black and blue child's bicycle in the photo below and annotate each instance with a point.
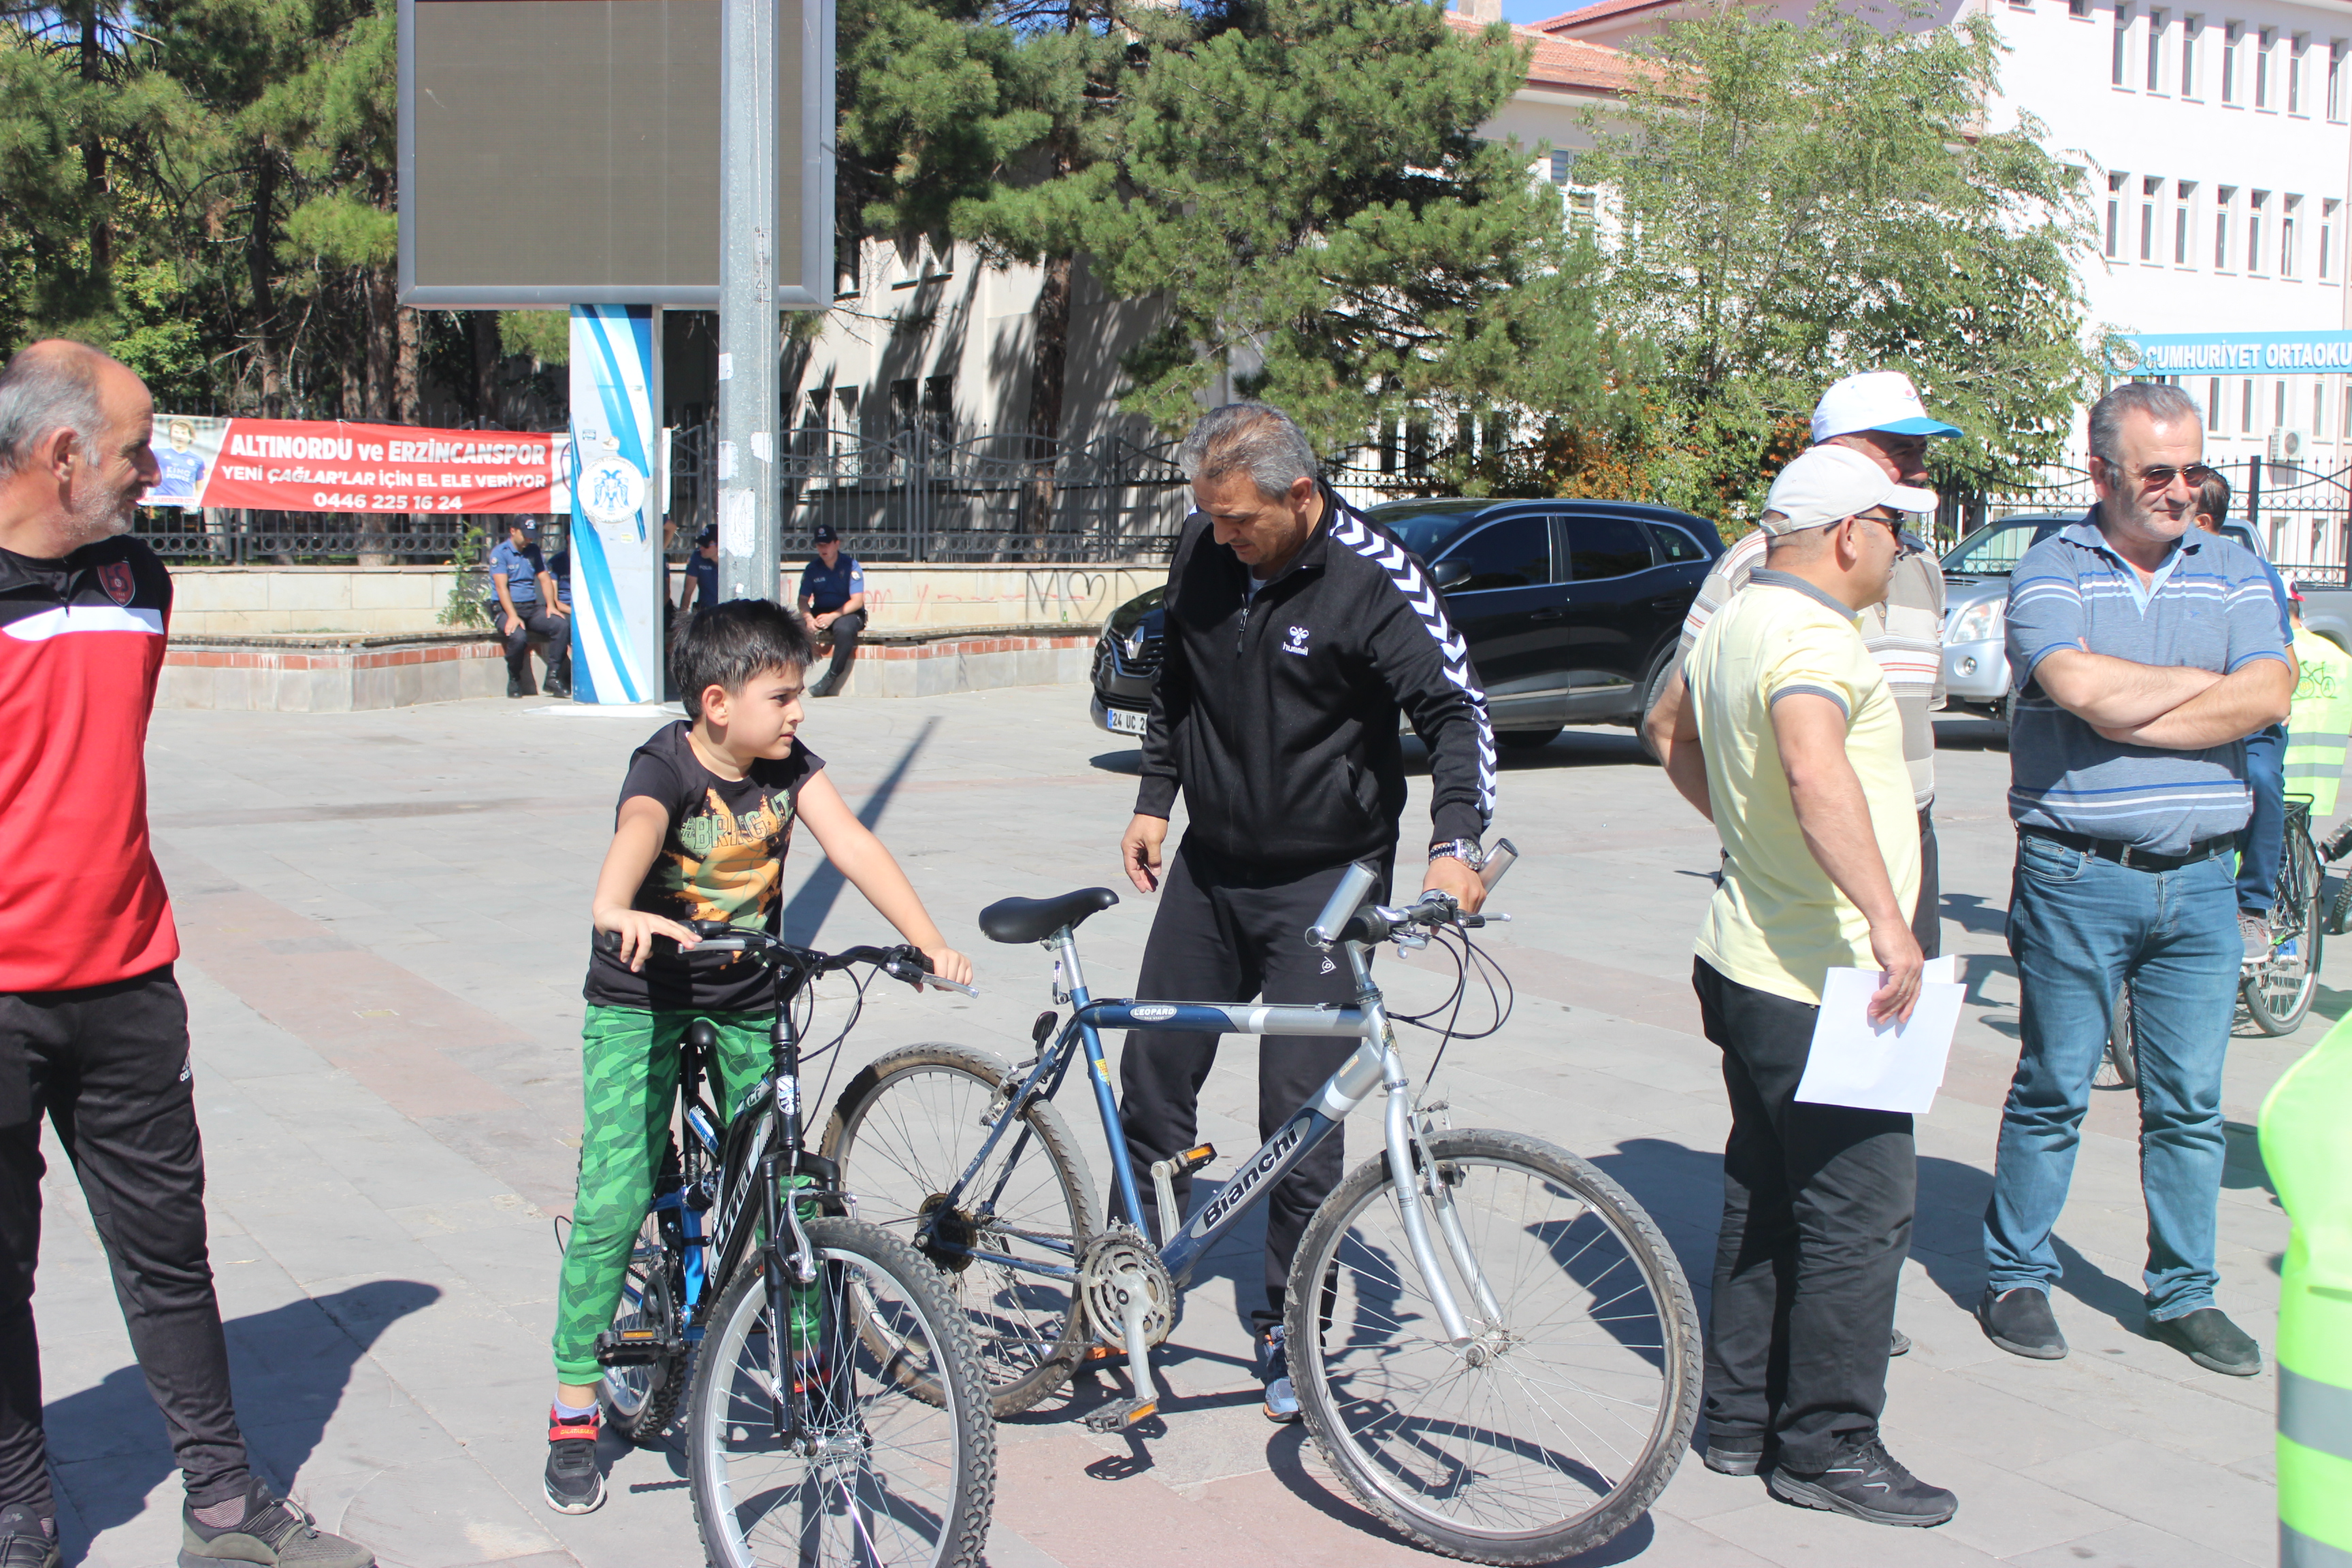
(1491, 1341)
(835, 1409)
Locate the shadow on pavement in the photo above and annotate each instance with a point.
(289, 1369)
(804, 916)
(1128, 763)
(1980, 917)
(1286, 1456)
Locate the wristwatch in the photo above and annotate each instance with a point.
(1465, 850)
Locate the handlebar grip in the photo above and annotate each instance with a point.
(607, 941)
(1356, 885)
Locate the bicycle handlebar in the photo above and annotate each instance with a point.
(1383, 923)
(902, 963)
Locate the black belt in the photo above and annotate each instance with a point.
(2131, 855)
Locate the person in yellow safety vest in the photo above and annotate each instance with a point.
(2309, 1159)
(2319, 723)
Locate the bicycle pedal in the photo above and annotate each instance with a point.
(1119, 1417)
(1193, 1160)
(633, 1347)
(1098, 1353)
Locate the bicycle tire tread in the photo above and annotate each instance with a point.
(1665, 1454)
(950, 1333)
(1053, 1134)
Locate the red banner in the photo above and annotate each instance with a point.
(297, 465)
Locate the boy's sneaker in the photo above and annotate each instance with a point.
(1865, 1481)
(24, 1544)
(1274, 1371)
(574, 1484)
(271, 1531)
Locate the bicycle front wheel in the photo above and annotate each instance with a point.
(1570, 1407)
(896, 1464)
(904, 1131)
(2280, 993)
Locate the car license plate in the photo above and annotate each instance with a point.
(1126, 720)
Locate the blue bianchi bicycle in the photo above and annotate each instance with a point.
(1492, 1344)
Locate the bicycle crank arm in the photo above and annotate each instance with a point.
(1133, 1307)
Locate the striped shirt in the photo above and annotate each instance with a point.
(2208, 607)
(1905, 634)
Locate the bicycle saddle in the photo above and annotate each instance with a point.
(1034, 920)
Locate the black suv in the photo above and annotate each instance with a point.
(1571, 608)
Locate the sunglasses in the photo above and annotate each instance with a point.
(2161, 477)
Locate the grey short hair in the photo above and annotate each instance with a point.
(43, 387)
(2163, 404)
(1252, 438)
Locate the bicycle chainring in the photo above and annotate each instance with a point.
(1112, 1263)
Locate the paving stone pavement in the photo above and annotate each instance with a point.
(385, 920)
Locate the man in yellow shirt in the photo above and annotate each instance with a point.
(1792, 745)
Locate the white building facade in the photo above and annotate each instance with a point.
(2216, 139)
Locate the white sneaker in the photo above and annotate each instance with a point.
(2256, 930)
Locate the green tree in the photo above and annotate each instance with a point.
(1795, 202)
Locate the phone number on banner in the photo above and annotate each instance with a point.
(328, 500)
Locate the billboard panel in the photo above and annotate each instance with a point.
(566, 151)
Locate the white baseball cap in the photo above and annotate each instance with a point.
(1829, 484)
(1875, 400)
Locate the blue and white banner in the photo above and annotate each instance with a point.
(616, 524)
(2314, 353)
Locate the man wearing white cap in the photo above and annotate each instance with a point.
(1877, 414)
(1792, 743)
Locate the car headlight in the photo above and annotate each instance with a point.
(1980, 622)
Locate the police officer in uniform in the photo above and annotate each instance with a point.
(833, 598)
(521, 612)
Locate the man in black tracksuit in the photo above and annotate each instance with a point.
(1296, 630)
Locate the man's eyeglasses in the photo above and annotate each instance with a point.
(1893, 522)
(2161, 477)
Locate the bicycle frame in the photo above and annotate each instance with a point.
(1374, 1064)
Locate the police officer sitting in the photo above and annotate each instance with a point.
(522, 612)
(833, 597)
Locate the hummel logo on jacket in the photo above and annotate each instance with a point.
(1279, 712)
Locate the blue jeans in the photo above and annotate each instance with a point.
(2264, 844)
(2079, 927)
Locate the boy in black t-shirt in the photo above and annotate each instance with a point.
(705, 818)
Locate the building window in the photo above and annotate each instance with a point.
(2213, 404)
(2119, 65)
(2150, 189)
(2278, 410)
(2115, 215)
(2156, 24)
(2297, 47)
(2327, 262)
(2190, 28)
(2290, 212)
(2262, 67)
(2318, 404)
(847, 280)
(2079, 9)
(2230, 31)
(2184, 197)
(1563, 167)
(2246, 407)
(2255, 202)
(2336, 53)
(2224, 198)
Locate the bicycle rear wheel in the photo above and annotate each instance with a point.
(1571, 1409)
(899, 1467)
(2119, 1066)
(904, 1130)
(2280, 993)
(642, 1399)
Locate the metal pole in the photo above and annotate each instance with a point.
(750, 395)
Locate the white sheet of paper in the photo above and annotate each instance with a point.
(1882, 1069)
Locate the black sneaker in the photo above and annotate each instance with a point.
(2020, 1321)
(1734, 1455)
(272, 1533)
(558, 686)
(575, 1484)
(24, 1544)
(2212, 1341)
(1865, 1481)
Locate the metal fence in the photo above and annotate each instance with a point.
(2303, 517)
(227, 537)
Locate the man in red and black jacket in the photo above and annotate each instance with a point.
(1296, 632)
(93, 1032)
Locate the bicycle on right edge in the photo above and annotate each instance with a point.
(1491, 1342)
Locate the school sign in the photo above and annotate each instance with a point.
(2235, 353)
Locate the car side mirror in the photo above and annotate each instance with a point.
(1447, 573)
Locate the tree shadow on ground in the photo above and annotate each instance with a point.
(288, 1368)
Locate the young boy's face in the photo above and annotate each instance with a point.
(761, 716)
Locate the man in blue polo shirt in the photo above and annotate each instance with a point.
(2146, 651)
(833, 598)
